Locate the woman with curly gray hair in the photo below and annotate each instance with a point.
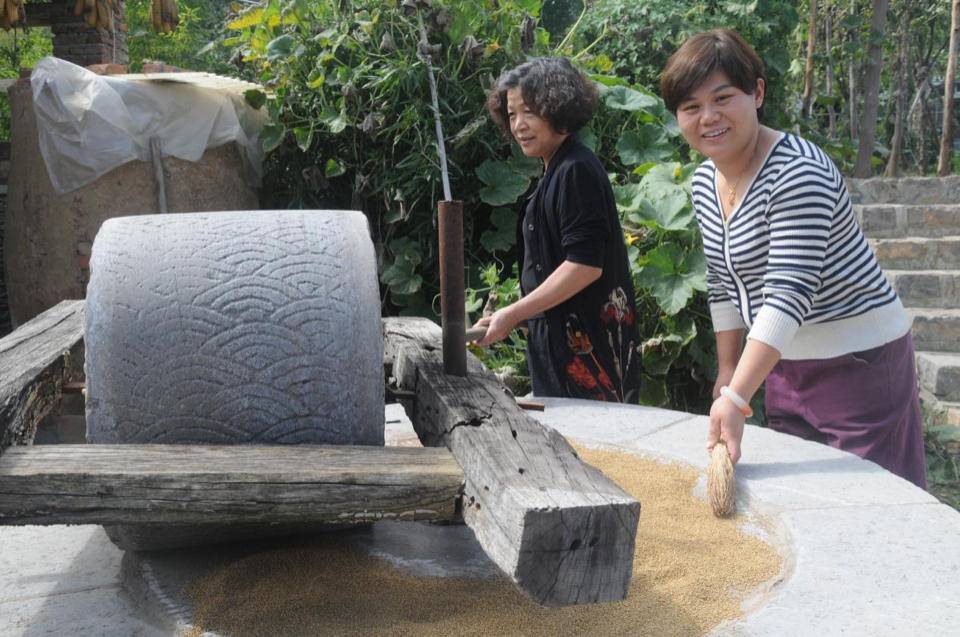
(578, 300)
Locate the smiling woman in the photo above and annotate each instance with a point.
(578, 303)
(787, 261)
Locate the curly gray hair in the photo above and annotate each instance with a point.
(552, 88)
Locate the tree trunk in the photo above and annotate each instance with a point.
(946, 137)
(918, 120)
(828, 48)
(896, 143)
(852, 71)
(868, 120)
(808, 70)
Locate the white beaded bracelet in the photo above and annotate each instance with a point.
(737, 400)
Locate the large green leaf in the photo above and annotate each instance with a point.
(628, 197)
(672, 211)
(406, 248)
(281, 47)
(662, 351)
(663, 179)
(653, 391)
(304, 137)
(255, 98)
(336, 122)
(503, 185)
(628, 99)
(271, 135)
(530, 6)
(646, 144)
(526, 166)
(503, 234)
(588, 138)
(672, 278)
(401, 278)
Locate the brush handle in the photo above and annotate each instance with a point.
(476, 334)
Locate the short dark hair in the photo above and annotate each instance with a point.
(552, 88)
(703, 54)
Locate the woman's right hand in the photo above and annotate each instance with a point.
(498, 326)
(726, 425)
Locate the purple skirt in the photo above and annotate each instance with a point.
(865, 403)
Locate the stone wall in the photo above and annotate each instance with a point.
(4, 172)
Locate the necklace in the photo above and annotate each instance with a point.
(732, 191)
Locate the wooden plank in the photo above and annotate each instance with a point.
(35, 361)
(202, 484)
(555, 525)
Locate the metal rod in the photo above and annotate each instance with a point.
(452, 312)
(425, 56)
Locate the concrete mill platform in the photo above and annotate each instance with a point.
(865, 552)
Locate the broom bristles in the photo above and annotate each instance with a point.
(721, 484)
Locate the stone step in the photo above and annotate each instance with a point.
(926, 288)
(936, 330)
(939, 374)
(882, 221)
(909, 190)
(920, 253)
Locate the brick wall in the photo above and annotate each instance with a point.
(75, 41)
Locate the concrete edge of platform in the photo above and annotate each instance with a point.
(865, 552)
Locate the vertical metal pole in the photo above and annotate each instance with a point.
(452, 313)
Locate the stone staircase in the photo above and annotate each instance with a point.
(914, 226)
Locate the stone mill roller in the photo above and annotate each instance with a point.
(250, 327)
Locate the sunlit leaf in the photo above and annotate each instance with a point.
(333, 168)
(251, 18)
(304, 137)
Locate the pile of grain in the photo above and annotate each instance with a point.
(690, 573)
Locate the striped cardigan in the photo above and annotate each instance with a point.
(791, 263)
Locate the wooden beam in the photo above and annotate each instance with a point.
(204, 484)
(560, 529)
(35, 361)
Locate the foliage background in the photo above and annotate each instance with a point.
(352, 126)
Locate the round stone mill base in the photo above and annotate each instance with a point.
(864, 552)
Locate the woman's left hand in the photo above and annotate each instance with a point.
(499, 324)
(726, 423)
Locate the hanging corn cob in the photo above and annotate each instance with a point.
(11, 13)
(96, 13)
(164, 15)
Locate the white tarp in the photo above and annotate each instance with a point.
(90, 124)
